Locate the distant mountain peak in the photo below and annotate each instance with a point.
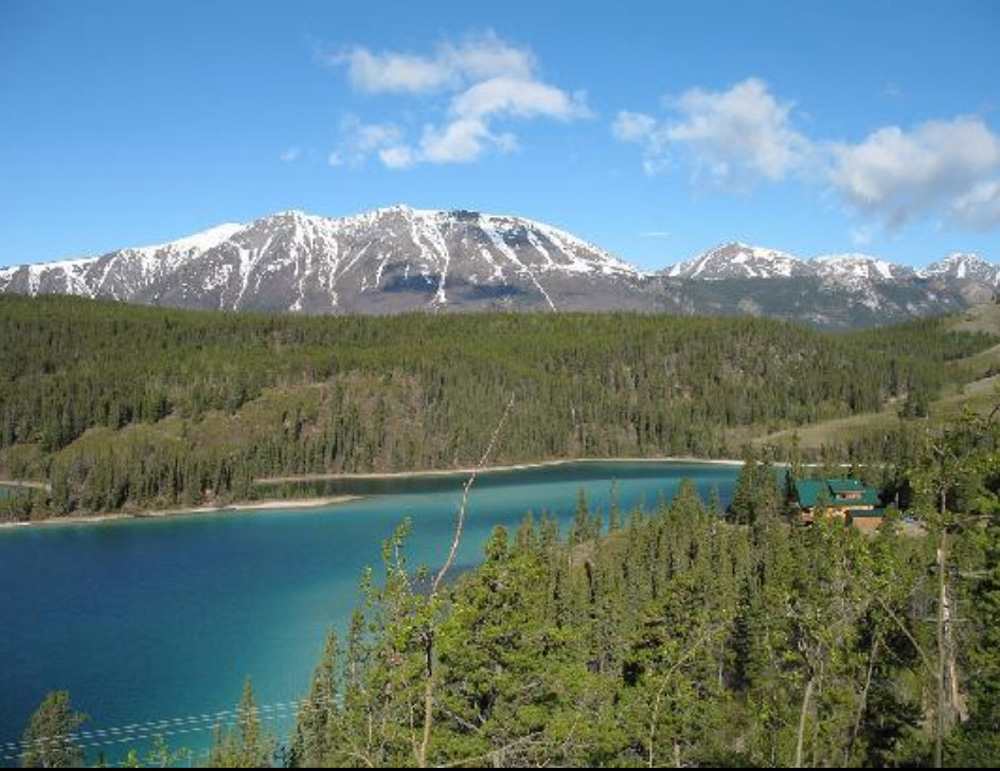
(736, 260)
(964, 266)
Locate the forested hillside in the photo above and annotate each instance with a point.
(130, 407)
(683, 638)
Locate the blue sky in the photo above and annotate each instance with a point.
(655, 130)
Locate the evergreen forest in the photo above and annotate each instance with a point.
(682, 636)
(685, 635)
(110, 407)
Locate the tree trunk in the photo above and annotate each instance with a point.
(942, 653)
(802, 722)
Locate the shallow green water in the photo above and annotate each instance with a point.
(150, 620)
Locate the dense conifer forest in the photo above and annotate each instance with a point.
(684, 636)
(681, 636)
(124, 407)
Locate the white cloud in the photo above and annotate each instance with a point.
(290, 155)
(373, 136)
(460, 141)
(738, 136)
(376, 73)
(979, 208)
(487, 56)
(518, 98)
(481, 81)
(397, 156)
(633, 126)
(360, 140)
(732, 138)
(477, 58)
(656, 234)
(945, 169)
(506, 142)
(939, 167)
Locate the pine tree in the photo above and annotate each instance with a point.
(315, 729)
(48, 741)
(246, 746)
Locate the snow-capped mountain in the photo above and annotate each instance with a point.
(403, 259)
(736, 260)
(836, 290)
(118, 275)
(966, 267)
(386, 260)
(852, 268)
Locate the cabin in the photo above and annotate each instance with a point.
(845, 499)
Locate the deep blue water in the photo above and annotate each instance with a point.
(155, 619)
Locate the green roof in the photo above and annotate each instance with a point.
(844, 485)
(868, 513)
(808, 492)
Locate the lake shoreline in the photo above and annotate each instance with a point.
(487, 470)
(24, 484)
(317, 502)
(250, 506)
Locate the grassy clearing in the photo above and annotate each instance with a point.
(980, 395)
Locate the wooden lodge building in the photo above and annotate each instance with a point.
(845, 499)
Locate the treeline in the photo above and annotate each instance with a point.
(123, 406)
(686, 638)
(682, 637)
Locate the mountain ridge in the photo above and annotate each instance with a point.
(399, 258)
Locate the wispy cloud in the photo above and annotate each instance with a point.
(359, 140)
(861, 236)
(891, 90)
(291, 154)
(450, 67)
(656, 234)
(732, 139)
(483, 80)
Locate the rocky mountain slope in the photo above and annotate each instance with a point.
(402, 259)
(387, 260)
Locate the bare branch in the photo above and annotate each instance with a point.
(420, 751)
(465, 498)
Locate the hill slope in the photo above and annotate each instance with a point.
(127, 406)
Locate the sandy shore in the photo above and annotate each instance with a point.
(23, 484)
(280, 503)
(304, 503)
(486, 470)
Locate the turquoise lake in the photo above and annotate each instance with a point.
(162, 619)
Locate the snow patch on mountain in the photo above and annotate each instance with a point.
(859, 266)
(964, 266)
(199, 242)
(399, 259)
(738, 260)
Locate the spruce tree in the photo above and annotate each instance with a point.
(49, 741)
